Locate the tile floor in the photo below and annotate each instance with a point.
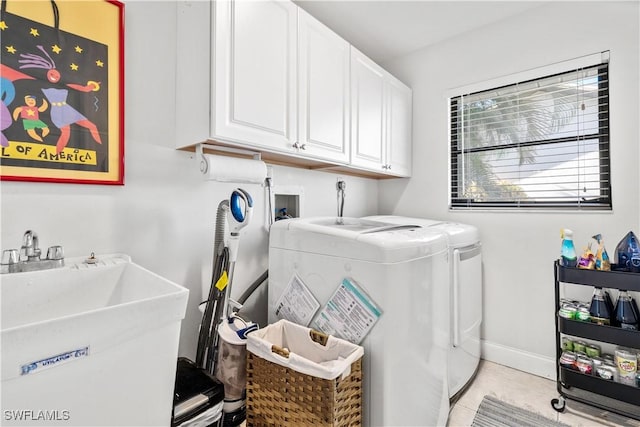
(530, 392)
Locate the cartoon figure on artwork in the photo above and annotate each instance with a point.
(7, 94)
(30, 115)
(62, 114)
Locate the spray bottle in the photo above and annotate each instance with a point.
(602, 257)
(568, 256)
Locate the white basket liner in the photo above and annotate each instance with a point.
(305, 355)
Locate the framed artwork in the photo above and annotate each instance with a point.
(62, 91)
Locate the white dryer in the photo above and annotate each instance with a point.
(465, 287)
(399, 269)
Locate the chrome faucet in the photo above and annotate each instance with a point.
(30, 250)
(29, 257)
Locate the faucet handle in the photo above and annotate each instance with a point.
(9, 256)
(55, 253)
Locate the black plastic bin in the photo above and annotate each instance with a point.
(197, 397)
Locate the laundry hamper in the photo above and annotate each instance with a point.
(298, 377)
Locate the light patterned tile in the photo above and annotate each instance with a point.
(529, 392)
(512, 386)
(460, 417)
(576, 419)
(579, 414)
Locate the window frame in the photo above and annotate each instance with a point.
(603, 203)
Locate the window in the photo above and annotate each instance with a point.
(541, 143)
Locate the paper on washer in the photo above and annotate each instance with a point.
(297, 304)
(349, 314)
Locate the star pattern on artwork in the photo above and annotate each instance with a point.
(43, 63)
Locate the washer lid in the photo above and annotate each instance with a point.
(459, 235)
(357, 238)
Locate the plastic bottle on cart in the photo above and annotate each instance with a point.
(637, 310)
(599, 308)
(568, 256)
(626, 316)
(609, 301)
(628, 253)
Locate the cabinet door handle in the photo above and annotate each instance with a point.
(299, 146)
(303, 147)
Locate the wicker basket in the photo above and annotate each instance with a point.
(280, 396)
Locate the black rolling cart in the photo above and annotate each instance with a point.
(592, 390)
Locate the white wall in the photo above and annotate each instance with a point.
(164, 215)
(519, 248)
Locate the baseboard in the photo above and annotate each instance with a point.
(532, 363)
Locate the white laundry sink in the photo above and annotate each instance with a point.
(89, 344)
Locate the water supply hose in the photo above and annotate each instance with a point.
(253, 287)
(340, 187)
(269, 194)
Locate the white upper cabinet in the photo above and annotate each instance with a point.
(399, 139)
(367, 113)
(380, 119)
(323, 91)
(254, 60)
(266, 76)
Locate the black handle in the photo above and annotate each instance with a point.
(54, 7)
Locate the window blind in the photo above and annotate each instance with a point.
(541, 143)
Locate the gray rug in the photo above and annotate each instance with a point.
(496, 413)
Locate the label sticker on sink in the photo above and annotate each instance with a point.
(53, 361)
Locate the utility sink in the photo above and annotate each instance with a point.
(91, 343)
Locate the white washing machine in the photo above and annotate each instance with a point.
(465, 285)
(398, 271)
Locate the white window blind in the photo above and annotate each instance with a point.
(541, 143)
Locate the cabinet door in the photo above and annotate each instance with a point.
(323, 91)
(255, 71)
(367, 113)
(193, 77)
(399, 115)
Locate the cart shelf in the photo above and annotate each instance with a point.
(603, 279)
(608, 395)
(610, 334)
(618, 391)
